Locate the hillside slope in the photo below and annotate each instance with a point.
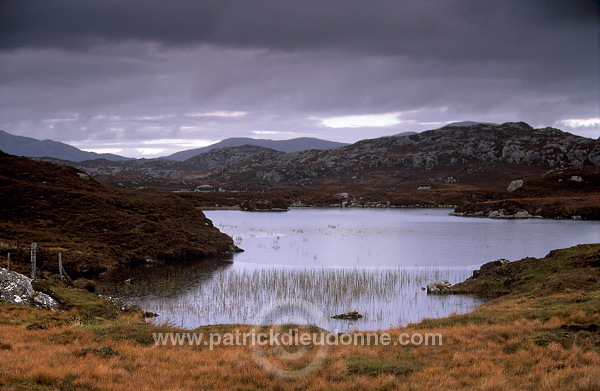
(59, 206)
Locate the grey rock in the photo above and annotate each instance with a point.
(438, 287)
(16, 288)
(45, 302)
(268, 176)
(501, 214)
(122, 304)
(514, 185)
(495, 214)
(522, 215)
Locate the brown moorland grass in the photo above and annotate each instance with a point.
(531, 338)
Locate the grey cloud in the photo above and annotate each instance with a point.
(127, 70)
(454, 28)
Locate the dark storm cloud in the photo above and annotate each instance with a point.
(455, 28)
(138, 70)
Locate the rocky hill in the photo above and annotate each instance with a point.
(216, 159)
(474, 155)
(60, 207)
(469, 166)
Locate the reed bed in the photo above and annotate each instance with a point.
(387, 297)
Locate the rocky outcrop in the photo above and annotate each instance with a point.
(502, 214)
(553, 195)
(223, 157)
(16, 288)
(438, 287)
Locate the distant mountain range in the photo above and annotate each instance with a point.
(292, 145)
(480, 146)
(30, 147)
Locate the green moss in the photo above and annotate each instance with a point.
(88, 304)
(26, 385)
(376, 366)
(139, 333)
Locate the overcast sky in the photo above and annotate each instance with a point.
(148, 78)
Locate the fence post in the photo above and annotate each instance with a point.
(33, 260)
(63, 273)
(8, 261)
(60, 266)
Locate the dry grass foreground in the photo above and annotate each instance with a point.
(539, 336)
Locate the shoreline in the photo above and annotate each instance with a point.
(497, 214)
(485, 271)
(544, 322)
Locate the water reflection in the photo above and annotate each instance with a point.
(168, 281)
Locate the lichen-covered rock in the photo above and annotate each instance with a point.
(438, 287)
(45, 302)
(16, 288)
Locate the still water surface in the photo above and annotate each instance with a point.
(374, 261)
